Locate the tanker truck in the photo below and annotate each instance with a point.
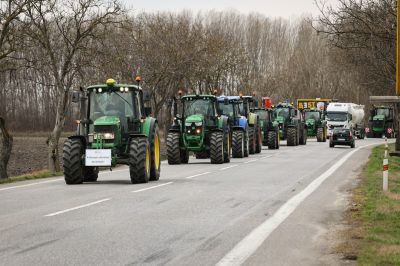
(346, 115)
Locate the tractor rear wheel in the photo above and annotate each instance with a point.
(90, 174)
(252, 140)
(320, 134)
(227, 145)
(291, 136)
(217, 148)
(72, 156)
(155, 164)
(139, 160)
(238, 144)
(173, 149)
(272, 140)
(246, 143)
(303, 137)
(258, 139)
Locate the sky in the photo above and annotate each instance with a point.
(270, 8)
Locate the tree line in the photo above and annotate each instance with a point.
(49, 48)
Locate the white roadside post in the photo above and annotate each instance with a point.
(386, 168)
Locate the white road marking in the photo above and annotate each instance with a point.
(298, 148)
(229, 167)
(190, 177)
(153, 187)
(30, 184)
(265, 157)
(248, 245)
(251, 161)
(77, 207)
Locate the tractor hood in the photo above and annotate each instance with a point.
(379, 117)
(194, 119)
(106, 121)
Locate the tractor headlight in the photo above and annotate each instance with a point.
(103, 136)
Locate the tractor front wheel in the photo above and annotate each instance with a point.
(155, 154)
(272, 140)
(173, 149)
(303, 137)
(90, 174)
(227, 145)
(291, 136)
(217, 148)
(72, 156)
(252, 140)
(184, 156)
(258, 139)
(320, 134)
(238, 144)
(139, 160)
(246, 143)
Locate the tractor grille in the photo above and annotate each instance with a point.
(378, 123)
(104, 129)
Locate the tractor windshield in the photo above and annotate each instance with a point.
(228, 110)
(283, 112)
(336, 116)
(116, 104)
(196, 106)
(384, 112)
(312, 115)
(262, 114)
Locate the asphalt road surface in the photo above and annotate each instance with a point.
(276, 208)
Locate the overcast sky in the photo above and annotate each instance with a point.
(271, 8)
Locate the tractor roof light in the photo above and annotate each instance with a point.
(138, 79)
(180, 92)
(110, 82)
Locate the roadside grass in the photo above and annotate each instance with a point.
(30, 176)
(374, 235)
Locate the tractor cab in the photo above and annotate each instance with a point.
(312, 117)
(230, 107)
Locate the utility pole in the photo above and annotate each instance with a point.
(397, 149)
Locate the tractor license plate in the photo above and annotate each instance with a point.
(98, 157)
(341, 140)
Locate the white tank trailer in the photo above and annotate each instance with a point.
(346, 115)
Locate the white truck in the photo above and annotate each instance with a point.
(346, 115)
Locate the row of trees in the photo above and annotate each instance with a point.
(50, 47)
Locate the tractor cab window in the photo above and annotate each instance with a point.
(384, 112)
(195, 106)
(263, 114)
(229, 110)
(116, 104)
(312, 115)
(283, 112)
(244, 108)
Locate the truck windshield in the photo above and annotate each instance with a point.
(331, 116)
(227, 110)
(312, 115)
(196, 106)
(111, 104)
(282, 111)
(384, 112)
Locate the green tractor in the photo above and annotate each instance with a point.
(269, 126)
(255, 132)
(316, 124)
(114, 128)
(291, 124)
(381, 122)
(198, 127)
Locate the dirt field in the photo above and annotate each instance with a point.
(29, 154)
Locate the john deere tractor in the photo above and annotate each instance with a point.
(269, 126)
(198, 127)
(255, 138)
(316, 124)
(229, 106)
(381, 122)
(291, 124)
(114, 128)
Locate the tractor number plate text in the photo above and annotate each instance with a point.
(98, 157)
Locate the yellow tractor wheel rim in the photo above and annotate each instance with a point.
(157, 152)
(147, 161)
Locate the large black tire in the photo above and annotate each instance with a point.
(292, 136)
(184, 156)
(90, 174)
(139, 160)
(252, 140)
(72, 156)
(227, 145)
(325, 134)
(217, 147)
(202, 155)
(320, 134)
(258, 140)
(303, 137)
(331, 145)
(173, 149)
(155, 165)
(238, 144)
(272, 140)
(246, 143)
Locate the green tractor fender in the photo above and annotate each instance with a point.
(148, 126)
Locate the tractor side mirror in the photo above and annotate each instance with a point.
(146, 96)
(226, 101)
(76, 96)
(147, 111)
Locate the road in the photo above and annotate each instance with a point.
(275, 208)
